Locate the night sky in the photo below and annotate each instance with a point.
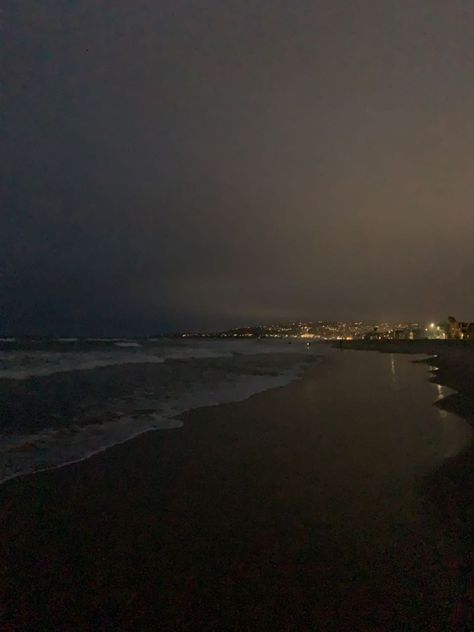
(172, 164)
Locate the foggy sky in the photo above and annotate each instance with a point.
(205, 163)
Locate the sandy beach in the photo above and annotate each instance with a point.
(302, 507)
(236, 336)
(451, 486)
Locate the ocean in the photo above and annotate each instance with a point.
(65, 399)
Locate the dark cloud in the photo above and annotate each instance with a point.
(201, 163)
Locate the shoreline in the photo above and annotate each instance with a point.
(453, 360)
(454, 364)
(451, 486)
(250, 379)
(264, 514)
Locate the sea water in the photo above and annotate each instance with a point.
(63, 400)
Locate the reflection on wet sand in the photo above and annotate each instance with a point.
(301, 508)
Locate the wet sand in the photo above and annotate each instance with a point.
(451, 486)
(300, 508)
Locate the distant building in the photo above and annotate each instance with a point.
(402, 334)
(460, 330)
(409, 333)
(373, 335)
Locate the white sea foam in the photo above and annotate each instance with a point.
(22, 454)
(21, 365)
(102, 339)
(51, 449)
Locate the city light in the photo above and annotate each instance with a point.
(320, 331)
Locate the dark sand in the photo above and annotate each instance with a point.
(301, 508)
(451, 486)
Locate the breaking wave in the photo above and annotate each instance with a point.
(154, 401)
